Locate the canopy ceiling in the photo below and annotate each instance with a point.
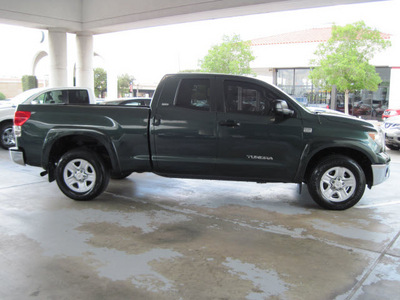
(104, 16)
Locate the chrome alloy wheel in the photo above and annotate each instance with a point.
(7, 137)
(79, 175)
(338, 184)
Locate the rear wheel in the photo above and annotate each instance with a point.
(7, 139)
(81, 174)
(337, 182)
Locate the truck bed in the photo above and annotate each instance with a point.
(126, 128)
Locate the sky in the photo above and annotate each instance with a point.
(149, 53)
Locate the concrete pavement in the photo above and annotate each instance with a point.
(149, 237)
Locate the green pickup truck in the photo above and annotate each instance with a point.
(206, 126)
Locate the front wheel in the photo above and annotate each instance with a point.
(337, 183)
(81, 174)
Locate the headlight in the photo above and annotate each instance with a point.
(378, 137)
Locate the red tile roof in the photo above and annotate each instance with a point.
(315, 35)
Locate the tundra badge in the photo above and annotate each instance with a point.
(259, 157)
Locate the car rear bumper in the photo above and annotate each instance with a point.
(17, 155)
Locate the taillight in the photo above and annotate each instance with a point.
(21, 117)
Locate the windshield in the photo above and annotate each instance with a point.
(23, 96)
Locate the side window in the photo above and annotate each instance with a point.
(241, 97)
(59, 97)
(39, 99)
(51, 97)
(78, 97)
(194, 94)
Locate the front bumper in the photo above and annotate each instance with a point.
(381, 172)
(17, 155)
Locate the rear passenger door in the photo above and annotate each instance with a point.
(184, 128)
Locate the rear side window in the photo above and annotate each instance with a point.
(78, 97)
(194, 94)
(247, 98)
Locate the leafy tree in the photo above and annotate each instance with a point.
(125, 82)
(100, 82)
(232, 56)
(2, 96)
(343, 60)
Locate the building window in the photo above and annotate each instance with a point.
(365, 104)
(369, 104)
(296, 83)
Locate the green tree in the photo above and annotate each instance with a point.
(232, 56)
(29, 82)
(124, 83)
(343, 61)
(100, 82)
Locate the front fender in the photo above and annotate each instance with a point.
(314, 150)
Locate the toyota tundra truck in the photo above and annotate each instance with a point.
(206, 126)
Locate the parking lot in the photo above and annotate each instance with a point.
(149, 237)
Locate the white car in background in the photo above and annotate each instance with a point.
(392, 132)
(59, 95)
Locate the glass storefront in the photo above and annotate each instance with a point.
(296, 83)
(366, 104)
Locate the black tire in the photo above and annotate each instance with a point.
(337, 183)
(119, 176)
(81, 175)
(7, 139)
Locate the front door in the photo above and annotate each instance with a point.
(253, 142)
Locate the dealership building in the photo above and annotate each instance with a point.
(284, 60)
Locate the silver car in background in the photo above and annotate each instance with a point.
(392, 132)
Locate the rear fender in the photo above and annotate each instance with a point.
(83, 136)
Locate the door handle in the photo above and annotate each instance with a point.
(229, 123)
(156, 121)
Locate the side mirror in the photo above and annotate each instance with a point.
(281, 108)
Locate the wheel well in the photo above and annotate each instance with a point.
(6, 122)
(358, 156)
(67, 143)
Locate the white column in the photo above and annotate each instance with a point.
(112, 80)
(394, 90)
(84, 60)
(58, 57)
